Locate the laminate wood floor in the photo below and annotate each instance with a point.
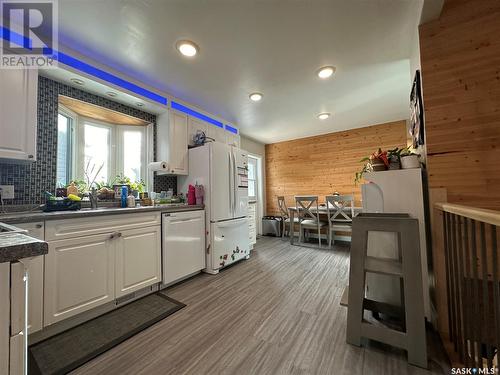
(276, 313)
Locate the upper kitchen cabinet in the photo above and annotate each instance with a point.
(172, 141)
(211, 131)
(18, 114)
(216, 133)
(232, 139)
(194, 126)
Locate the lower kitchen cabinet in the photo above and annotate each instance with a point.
(34, 267)
(138, 259)
(79, 275)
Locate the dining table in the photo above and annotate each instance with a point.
(321, 210)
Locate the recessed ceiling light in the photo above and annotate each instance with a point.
(187, 48)
(326, 72)
(256, 96)
(112, 94)
(77, 81)
(323, 116)
(139, 104)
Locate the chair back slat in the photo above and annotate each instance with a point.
(282, 207)
(336, 205)
(305, 204)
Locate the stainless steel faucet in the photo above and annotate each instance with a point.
(93, 199)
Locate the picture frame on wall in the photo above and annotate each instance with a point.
(416, 123)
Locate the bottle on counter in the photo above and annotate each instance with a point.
(123, 196)
(191, 197)
(130, 201)
(199, 193)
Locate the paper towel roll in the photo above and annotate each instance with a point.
(161, 166)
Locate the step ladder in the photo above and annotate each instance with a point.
(407, 268)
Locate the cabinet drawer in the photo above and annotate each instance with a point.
(62, 229)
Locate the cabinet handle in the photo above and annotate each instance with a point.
(119, 234)
(30, 156)
(39, 226)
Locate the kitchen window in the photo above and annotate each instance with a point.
(65, 122)
(99, 150)
(252, 179)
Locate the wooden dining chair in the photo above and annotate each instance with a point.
(340, 211)
(308, 215)
(285, 217)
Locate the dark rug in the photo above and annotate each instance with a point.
(70, 349)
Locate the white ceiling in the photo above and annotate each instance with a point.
(274, 47)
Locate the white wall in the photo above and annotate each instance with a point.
(257, 149)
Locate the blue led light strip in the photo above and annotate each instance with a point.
(196, 114)
(86, 68)
(229, 128)
(108, 77)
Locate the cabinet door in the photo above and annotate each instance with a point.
(18, 113)
(194, 126)
(183, 244)
(138, 259)
(34, 267)
(216, 133)
(232, 139)
(178, 148)
(79, 275)
(4, 317)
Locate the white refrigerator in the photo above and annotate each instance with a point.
(223, 171)
(395, 191)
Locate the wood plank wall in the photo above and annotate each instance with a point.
(326, 163)
(460, 59)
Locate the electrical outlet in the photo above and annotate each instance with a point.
(7, 191)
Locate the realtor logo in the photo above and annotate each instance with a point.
(29, 33)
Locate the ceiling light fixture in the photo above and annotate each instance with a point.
(256, 96)
(323, 116)
(112, 94)
(326, 72)
(187, 48)
(139, 104)
(77, 81)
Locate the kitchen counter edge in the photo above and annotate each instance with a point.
(25, 217)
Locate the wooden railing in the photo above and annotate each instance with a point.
(472, 282)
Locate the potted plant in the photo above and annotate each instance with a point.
(409, 159)
(378, 161)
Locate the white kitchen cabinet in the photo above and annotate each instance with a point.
(138, 259)
(232, 139)
(34, 267)
(18, 323)
(252, 228)
(172, 141)
(183, 244)
(195, 125)
(4, 317)
(216, 133)
(18, 114)
(79, 275)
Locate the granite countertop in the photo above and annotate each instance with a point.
(14, 246)
(27, 217)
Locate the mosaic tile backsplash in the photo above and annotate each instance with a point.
(31, 180)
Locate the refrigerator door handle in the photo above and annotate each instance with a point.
(235, 177)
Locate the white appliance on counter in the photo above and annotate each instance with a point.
(223, 171)
(183, 244)
(395, 191)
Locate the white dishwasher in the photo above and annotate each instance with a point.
(183, 244)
